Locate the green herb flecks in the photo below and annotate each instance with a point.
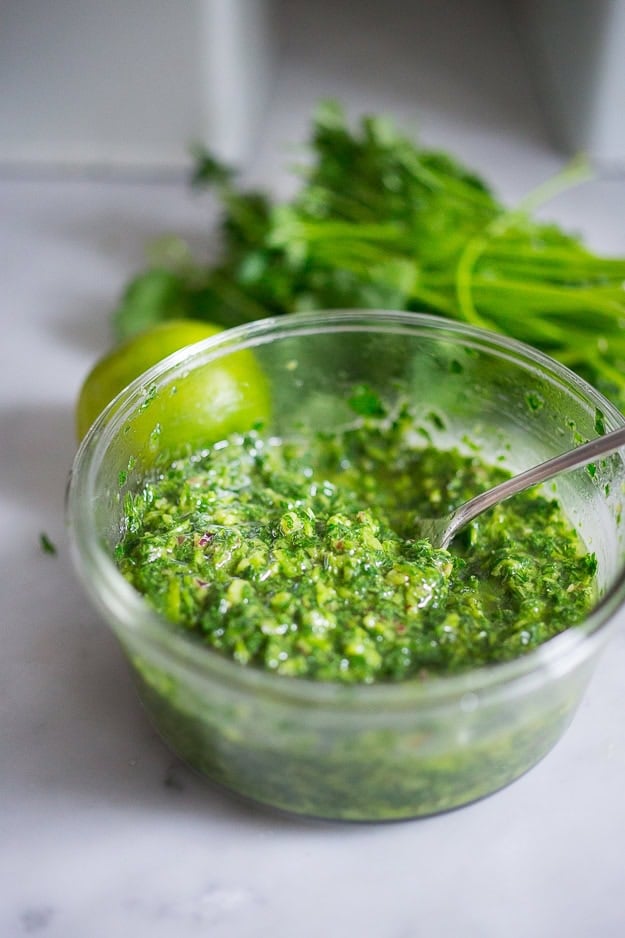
(46, 545)
(298, 556)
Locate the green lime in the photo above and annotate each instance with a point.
(206, 404)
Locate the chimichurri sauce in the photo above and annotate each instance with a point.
(297, 556)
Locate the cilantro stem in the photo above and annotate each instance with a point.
(380, 221)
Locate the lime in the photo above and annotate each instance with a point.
(205, 404)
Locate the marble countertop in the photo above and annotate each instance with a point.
(103, 833)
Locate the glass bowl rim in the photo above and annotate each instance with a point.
(116, 597)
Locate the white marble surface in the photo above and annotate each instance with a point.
(102, 832)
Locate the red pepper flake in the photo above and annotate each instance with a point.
(205, 539)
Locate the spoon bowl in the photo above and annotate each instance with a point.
(441, 531)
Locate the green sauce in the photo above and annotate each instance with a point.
(297, 556)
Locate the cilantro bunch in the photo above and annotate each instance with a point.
(380, 222)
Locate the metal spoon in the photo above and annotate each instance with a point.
(441, 531)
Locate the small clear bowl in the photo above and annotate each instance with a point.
(358, 752)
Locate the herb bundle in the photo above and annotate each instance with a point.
(380, 222)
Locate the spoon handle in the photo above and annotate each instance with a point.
(572, 459)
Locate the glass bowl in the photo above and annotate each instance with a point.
(359, 751)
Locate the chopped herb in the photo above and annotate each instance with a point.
(47, 546)
(149, 396)
(298, 556)
(366, 402)
(534, 400)
(436, 420)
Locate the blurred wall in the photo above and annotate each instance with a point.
(119, 83)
